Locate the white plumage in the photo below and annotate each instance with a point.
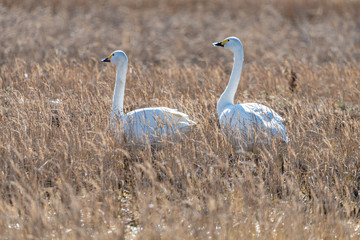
(248, 123)
(147, 125)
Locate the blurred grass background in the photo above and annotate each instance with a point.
(162, 31)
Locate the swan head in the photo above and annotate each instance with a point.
(117, 57)
(232, 43)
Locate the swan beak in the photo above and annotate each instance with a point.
(105, 60)
(218, 44)
(221, 44)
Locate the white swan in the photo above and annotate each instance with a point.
(248, 123)
(147, 125)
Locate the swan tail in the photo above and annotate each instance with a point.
(178, 117)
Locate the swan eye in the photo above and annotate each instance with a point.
(113, 54)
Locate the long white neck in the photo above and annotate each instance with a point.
(228, 95)
(119, 91)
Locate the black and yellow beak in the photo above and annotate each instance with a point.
(107, 59)
(220, 44)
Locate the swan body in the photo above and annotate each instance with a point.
(248, 123)
(146, 125)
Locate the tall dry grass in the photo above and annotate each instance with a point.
(64, 175)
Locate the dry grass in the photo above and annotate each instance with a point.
(64, 175)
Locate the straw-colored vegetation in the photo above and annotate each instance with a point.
(63, 175)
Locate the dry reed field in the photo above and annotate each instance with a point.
(64, 174)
